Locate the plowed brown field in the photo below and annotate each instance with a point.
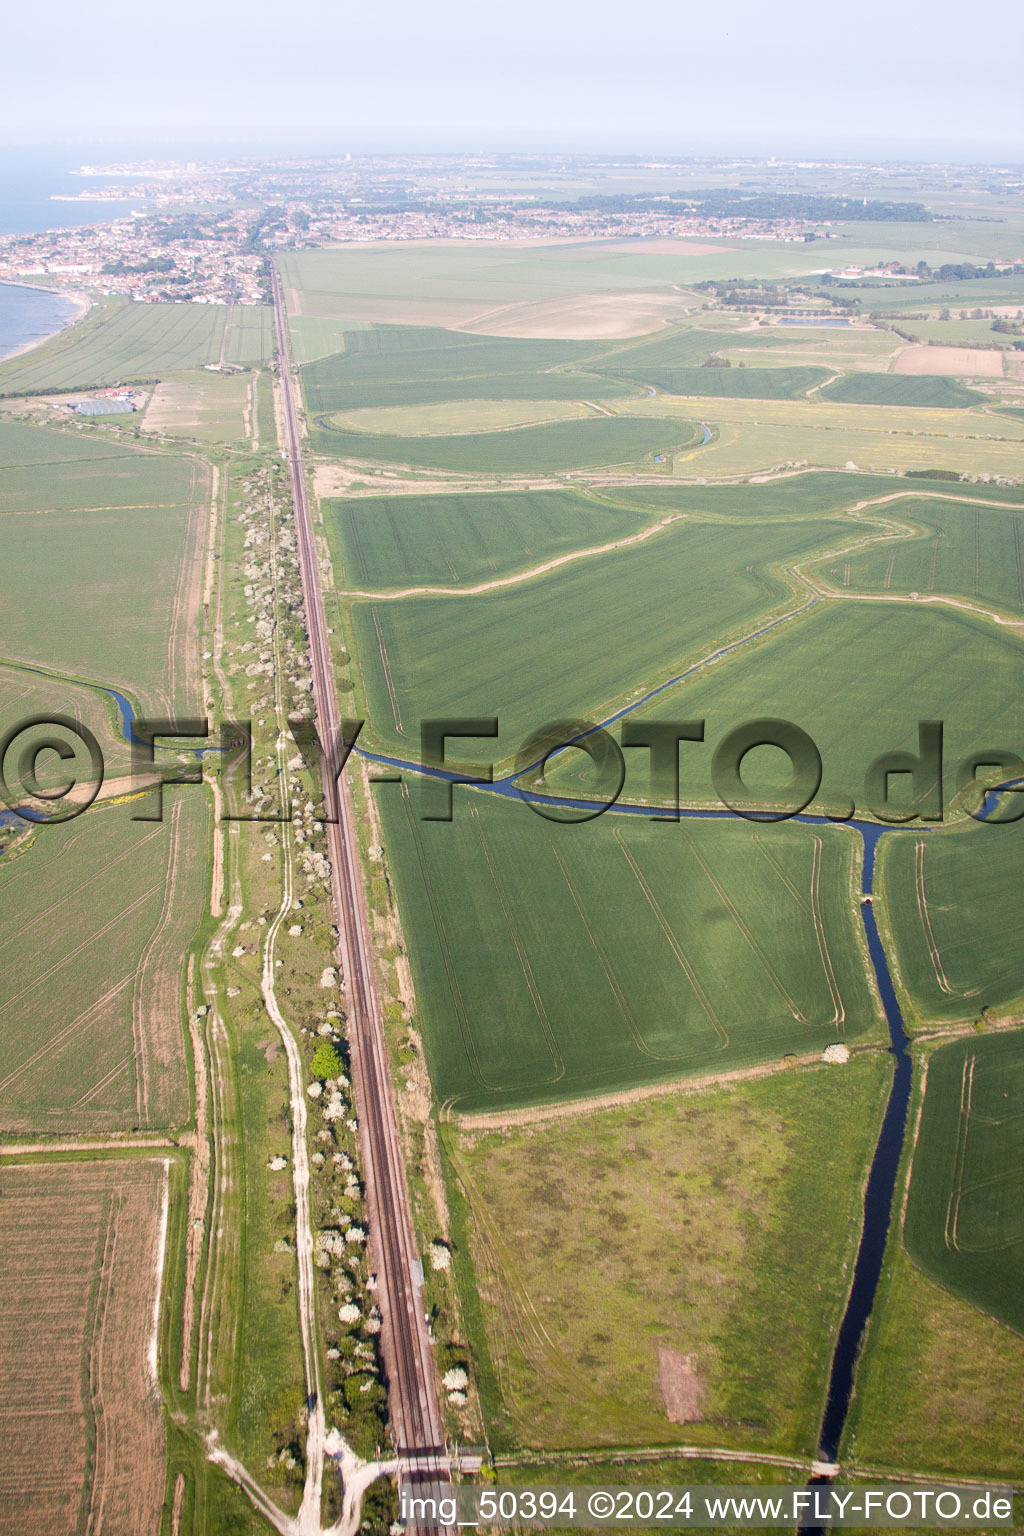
(80, 1420)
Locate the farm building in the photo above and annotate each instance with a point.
(104, 407)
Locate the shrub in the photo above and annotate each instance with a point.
(326, 1061)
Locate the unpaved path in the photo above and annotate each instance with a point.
(308, 1519)
(570, 1108)
(119, 1142)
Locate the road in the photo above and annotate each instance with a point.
(416, 1423)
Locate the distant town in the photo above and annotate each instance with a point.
(203, 232)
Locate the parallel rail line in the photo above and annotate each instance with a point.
(416, 1423)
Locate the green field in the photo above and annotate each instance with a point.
(102, 581)
(576, 641)
(691, 1226)
(733, 383)
(972, 293)
(24, 694)
(953, 333)
(476, 277)
(811, 494)
(349, 395)
(921, 390)
(46, 470)
(97, 594)
(543, 449)
(250, 337)
(451, 418)
(407, 365)
(957, 918)
(970, 551)
(857, 677)
(313, 338)
(848, 350)
(687, 349)
(24, 445)
(116, 342)
(94, 918)
(555, 961)
(397, 541)
(965, 1215)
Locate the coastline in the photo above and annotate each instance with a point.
(82, 301)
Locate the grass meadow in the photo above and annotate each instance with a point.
(851, 351)
(209, 407)
(554, 961)
(756, 436)
(687, 1231)
(574, 642)
(117, 342)
(313, 338)
(80, 1422)
(398, 541)
(95, 915)
(25, 693)
(351, 394)
(938, 1384)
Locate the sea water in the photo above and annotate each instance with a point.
(29, 314)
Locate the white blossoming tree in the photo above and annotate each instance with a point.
(440, 1256)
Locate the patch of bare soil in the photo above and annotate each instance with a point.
(348, 478)
(671, 246)
(584, 316)
(681, 1388)
(953, 362)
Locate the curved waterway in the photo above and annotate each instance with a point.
(881, 1184)
(126, 719)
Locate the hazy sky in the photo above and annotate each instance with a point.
(574, 74)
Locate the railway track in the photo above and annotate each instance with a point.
(416, 1424)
